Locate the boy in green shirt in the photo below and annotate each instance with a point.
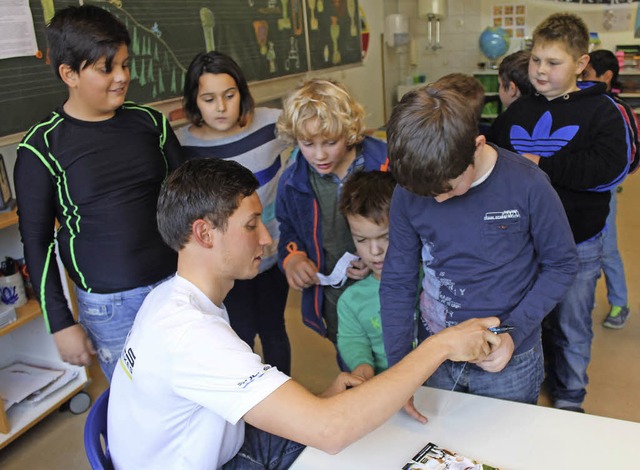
(365, 202)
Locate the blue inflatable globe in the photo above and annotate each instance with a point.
(494, 42)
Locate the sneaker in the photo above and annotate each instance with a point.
(617, 317)
(575, 409)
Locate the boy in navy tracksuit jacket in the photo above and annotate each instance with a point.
(577, 134)
(326, 124)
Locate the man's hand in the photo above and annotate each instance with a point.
(358, 270)
(534, 158)
(74, 345)
(301, 272)
(412, 411)
(342, 382)
(470, 340)
(500, 356)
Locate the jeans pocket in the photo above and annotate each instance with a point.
(531, 363)
(94, 313)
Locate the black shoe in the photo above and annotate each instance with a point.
(577, 409)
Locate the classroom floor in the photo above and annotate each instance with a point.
(56, 442)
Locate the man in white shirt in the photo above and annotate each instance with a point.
(186, 384)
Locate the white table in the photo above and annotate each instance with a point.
(496, 432)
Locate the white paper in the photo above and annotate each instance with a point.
(339, 274)
(17, 35)
(20, 380)
(40, 395)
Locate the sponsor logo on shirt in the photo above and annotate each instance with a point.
(245, 383)
(128, 360)
(508, 214)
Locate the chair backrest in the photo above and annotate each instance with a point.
(96, 444)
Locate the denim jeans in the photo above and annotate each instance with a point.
(256, 306)
(107, 318)
(519, 381)
(611, 261)
(568, 330)
(262, 450)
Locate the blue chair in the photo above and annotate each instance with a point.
(95, 434)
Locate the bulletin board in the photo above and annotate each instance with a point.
(268, 38)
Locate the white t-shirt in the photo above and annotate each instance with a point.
(182, 384)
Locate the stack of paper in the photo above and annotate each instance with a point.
(21, 381)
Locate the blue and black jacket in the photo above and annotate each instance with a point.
(298, 213)
(585, 147)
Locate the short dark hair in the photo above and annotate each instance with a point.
(81, 36)
(368, 194)
(515, 68)
(214, 62)
(465, 85)
(431, 139)
(567, 28)
(603, 60)
(207, 188)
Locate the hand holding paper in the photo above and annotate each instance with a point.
(338, 276)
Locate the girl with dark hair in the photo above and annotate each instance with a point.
(224, 123)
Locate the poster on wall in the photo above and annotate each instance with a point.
(511, 18)
(334, 33)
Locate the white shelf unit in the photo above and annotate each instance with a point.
(31, 343)
(629, 79)
(27, 339)
(489, 80)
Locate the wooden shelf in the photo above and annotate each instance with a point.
(8, 218)
(24, 315)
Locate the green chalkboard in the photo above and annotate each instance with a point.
(28, 88)
(268, 39)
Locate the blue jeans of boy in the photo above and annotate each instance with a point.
(569, 330)
(519, 381)
(612, 265)
(107, 318)
(262, 450)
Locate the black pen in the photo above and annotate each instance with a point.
(498, 330)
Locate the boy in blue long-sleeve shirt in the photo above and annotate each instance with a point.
(492, 238)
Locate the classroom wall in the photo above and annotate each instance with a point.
(466, 19)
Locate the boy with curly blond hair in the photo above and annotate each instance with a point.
(326, 124)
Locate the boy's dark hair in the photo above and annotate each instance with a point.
(515, 68)
(566, 28)
(431, 139)
(207, 188)
(214, 62)
(603, 60)
(81, 36)
(466, 86)
(368, 194)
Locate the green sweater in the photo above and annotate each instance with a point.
(359, 326)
